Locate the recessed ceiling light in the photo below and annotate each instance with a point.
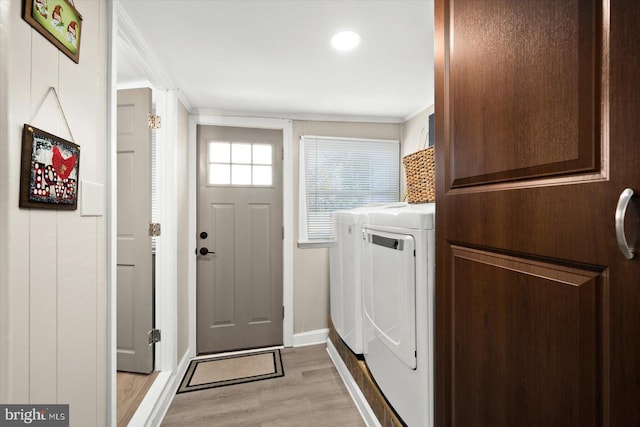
(345, 40)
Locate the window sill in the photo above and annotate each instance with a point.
(311, 244)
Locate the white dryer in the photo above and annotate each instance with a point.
(398, 295)
(345, 261)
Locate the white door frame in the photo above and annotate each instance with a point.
(287, 212)
(111, 216)
(150, 412)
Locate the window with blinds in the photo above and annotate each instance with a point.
(343, 173)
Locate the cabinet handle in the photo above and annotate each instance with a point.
(621, 210)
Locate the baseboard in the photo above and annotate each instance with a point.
(319, 336)
(367, 414)
(156, 403)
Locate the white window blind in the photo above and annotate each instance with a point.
(343, 173)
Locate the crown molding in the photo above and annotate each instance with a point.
(134, 46)
(302, 117)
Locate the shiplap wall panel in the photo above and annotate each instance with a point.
(78, 80)
(43, 253)
(102, 378)
(78, 264)
(56, 271)
(43, 322)
(17, 265)
(77, 337)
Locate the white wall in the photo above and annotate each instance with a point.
(311, 266)
(53, 263)
(184, 252)
(415, 136)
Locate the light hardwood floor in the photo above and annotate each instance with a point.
(311, 393)
(132, 388)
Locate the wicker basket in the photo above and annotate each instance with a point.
(420, 168)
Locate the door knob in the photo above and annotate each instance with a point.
(204, 251)
(621, 210)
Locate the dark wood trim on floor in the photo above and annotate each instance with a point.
(360, 373)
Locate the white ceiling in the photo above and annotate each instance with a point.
(274, 58)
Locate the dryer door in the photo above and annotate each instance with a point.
(390, 291)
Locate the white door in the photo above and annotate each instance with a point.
(239, 267)
(134, 263)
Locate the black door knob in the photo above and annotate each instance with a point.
(204, 251)
(204, 235)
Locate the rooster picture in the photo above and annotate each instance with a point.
(62, 167)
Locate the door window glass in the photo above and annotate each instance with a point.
(219, 174)
(219, 152)
(241, 153)
(235, 163)
(262, 154)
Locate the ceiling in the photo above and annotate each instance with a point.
(273, 58)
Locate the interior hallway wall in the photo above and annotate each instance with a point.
(182, 180)
(311, 266)
(53, 263)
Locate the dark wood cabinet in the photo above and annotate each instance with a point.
(537, 134)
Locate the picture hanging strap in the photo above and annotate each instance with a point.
(55, 93)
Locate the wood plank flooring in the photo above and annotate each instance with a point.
(310, 394)
(131, 390)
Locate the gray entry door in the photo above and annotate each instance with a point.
(134, 263)
(239, 289)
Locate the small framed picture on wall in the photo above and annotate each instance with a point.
(49, 172)
(59, 21)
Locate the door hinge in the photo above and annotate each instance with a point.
(154, 229)
(154, 121)
(154, 336)
(283, 311)
(282, 153)
(282, 233)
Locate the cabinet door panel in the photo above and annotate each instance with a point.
(547, 120)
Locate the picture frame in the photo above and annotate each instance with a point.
(57, 20)
(50, 171)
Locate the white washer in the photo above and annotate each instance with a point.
(398, 295)
(345, 260)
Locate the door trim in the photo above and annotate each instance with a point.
(287, 212)
(121, 33)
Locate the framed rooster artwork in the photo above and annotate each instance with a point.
(49, 172)
(59, 21)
